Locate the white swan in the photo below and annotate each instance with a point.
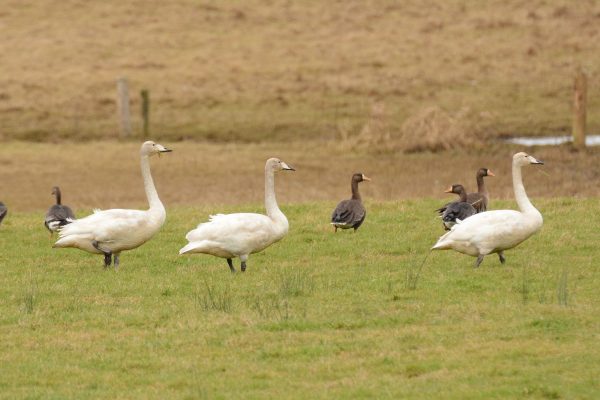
(109, 232)
(495, 231)
(239, 235)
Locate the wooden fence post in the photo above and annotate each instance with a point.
(579, 109)
(123, 105)
(145, 112)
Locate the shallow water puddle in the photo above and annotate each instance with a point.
(590, 140)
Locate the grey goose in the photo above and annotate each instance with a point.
(58, 215)
(457, 210)
(350, 213)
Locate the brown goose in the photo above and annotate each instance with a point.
(457, 210)
(481, 198)
(350, 213)
(58, 215)
(3, 211)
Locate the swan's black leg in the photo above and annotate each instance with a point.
(116, 261)
(243, 266)
(230, 263)
(107, 254)
(479, 260)
(501, 257)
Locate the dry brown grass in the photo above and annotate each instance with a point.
(286, 70)
(106, 174)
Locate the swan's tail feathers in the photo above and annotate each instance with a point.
(442, 243)
(65, 241)
(189, 248)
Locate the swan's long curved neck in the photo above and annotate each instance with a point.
(355, 192)
(273, 210)
(520, 194)
(151, 194)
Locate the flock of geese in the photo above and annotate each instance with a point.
(471, 229)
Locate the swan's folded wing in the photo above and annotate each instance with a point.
(107, 226)
(222, 225)
(487, 224)
(232, 234)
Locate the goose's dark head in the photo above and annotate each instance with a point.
(55, 190)
(485, 172)
(359, 177)
(456, 189)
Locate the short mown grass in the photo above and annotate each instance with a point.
(318, 315)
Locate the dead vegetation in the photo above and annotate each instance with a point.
(430, 129)
(250, 71)
(106, 174)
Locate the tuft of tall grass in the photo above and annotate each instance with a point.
(271, 306)
(562, 290)
(295, 282)
(524, 285)
(215, 297)
(412, 275)
(30, 297)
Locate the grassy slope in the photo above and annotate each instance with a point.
(249, 71)
(317, 315)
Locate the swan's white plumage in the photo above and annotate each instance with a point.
(489, 232)
(241, 234)
(234, 235)
(119, 229)
(495, 231)
(115, 230)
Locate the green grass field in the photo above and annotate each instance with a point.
(318, 315)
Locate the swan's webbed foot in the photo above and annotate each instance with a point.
(107, 253)
(479, 260)
(230, 263)
(501, 257)
(243, 266)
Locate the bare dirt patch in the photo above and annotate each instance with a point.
(106, 174)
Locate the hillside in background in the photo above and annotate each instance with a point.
(279, 70)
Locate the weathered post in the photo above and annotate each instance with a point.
(579, 109)
(123, 108)
(145, 112)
